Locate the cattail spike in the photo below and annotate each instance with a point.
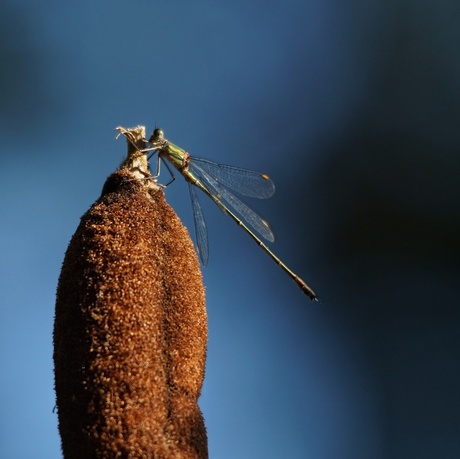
(130, 330)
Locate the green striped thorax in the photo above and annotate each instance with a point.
(176, 155)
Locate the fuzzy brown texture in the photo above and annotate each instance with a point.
(130, 331)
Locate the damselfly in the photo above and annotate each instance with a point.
(216, 181)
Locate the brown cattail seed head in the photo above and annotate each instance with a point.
(131, 328)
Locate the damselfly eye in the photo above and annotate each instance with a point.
(157, 135)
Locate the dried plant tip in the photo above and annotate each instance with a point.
(136, 161)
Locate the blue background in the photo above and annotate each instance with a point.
(353, 109)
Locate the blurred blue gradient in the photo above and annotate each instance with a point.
(353, 110)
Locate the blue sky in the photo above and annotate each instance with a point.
(351, 109)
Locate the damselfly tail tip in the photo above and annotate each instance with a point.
(306, 289)
(312, 296)
(310, 293)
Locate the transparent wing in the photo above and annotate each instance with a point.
(200, 226)
(222, 195)
(244, 181)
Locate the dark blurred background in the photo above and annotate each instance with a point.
(353, 110)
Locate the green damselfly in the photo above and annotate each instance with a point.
(216, 181)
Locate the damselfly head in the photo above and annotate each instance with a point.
(157, 136)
